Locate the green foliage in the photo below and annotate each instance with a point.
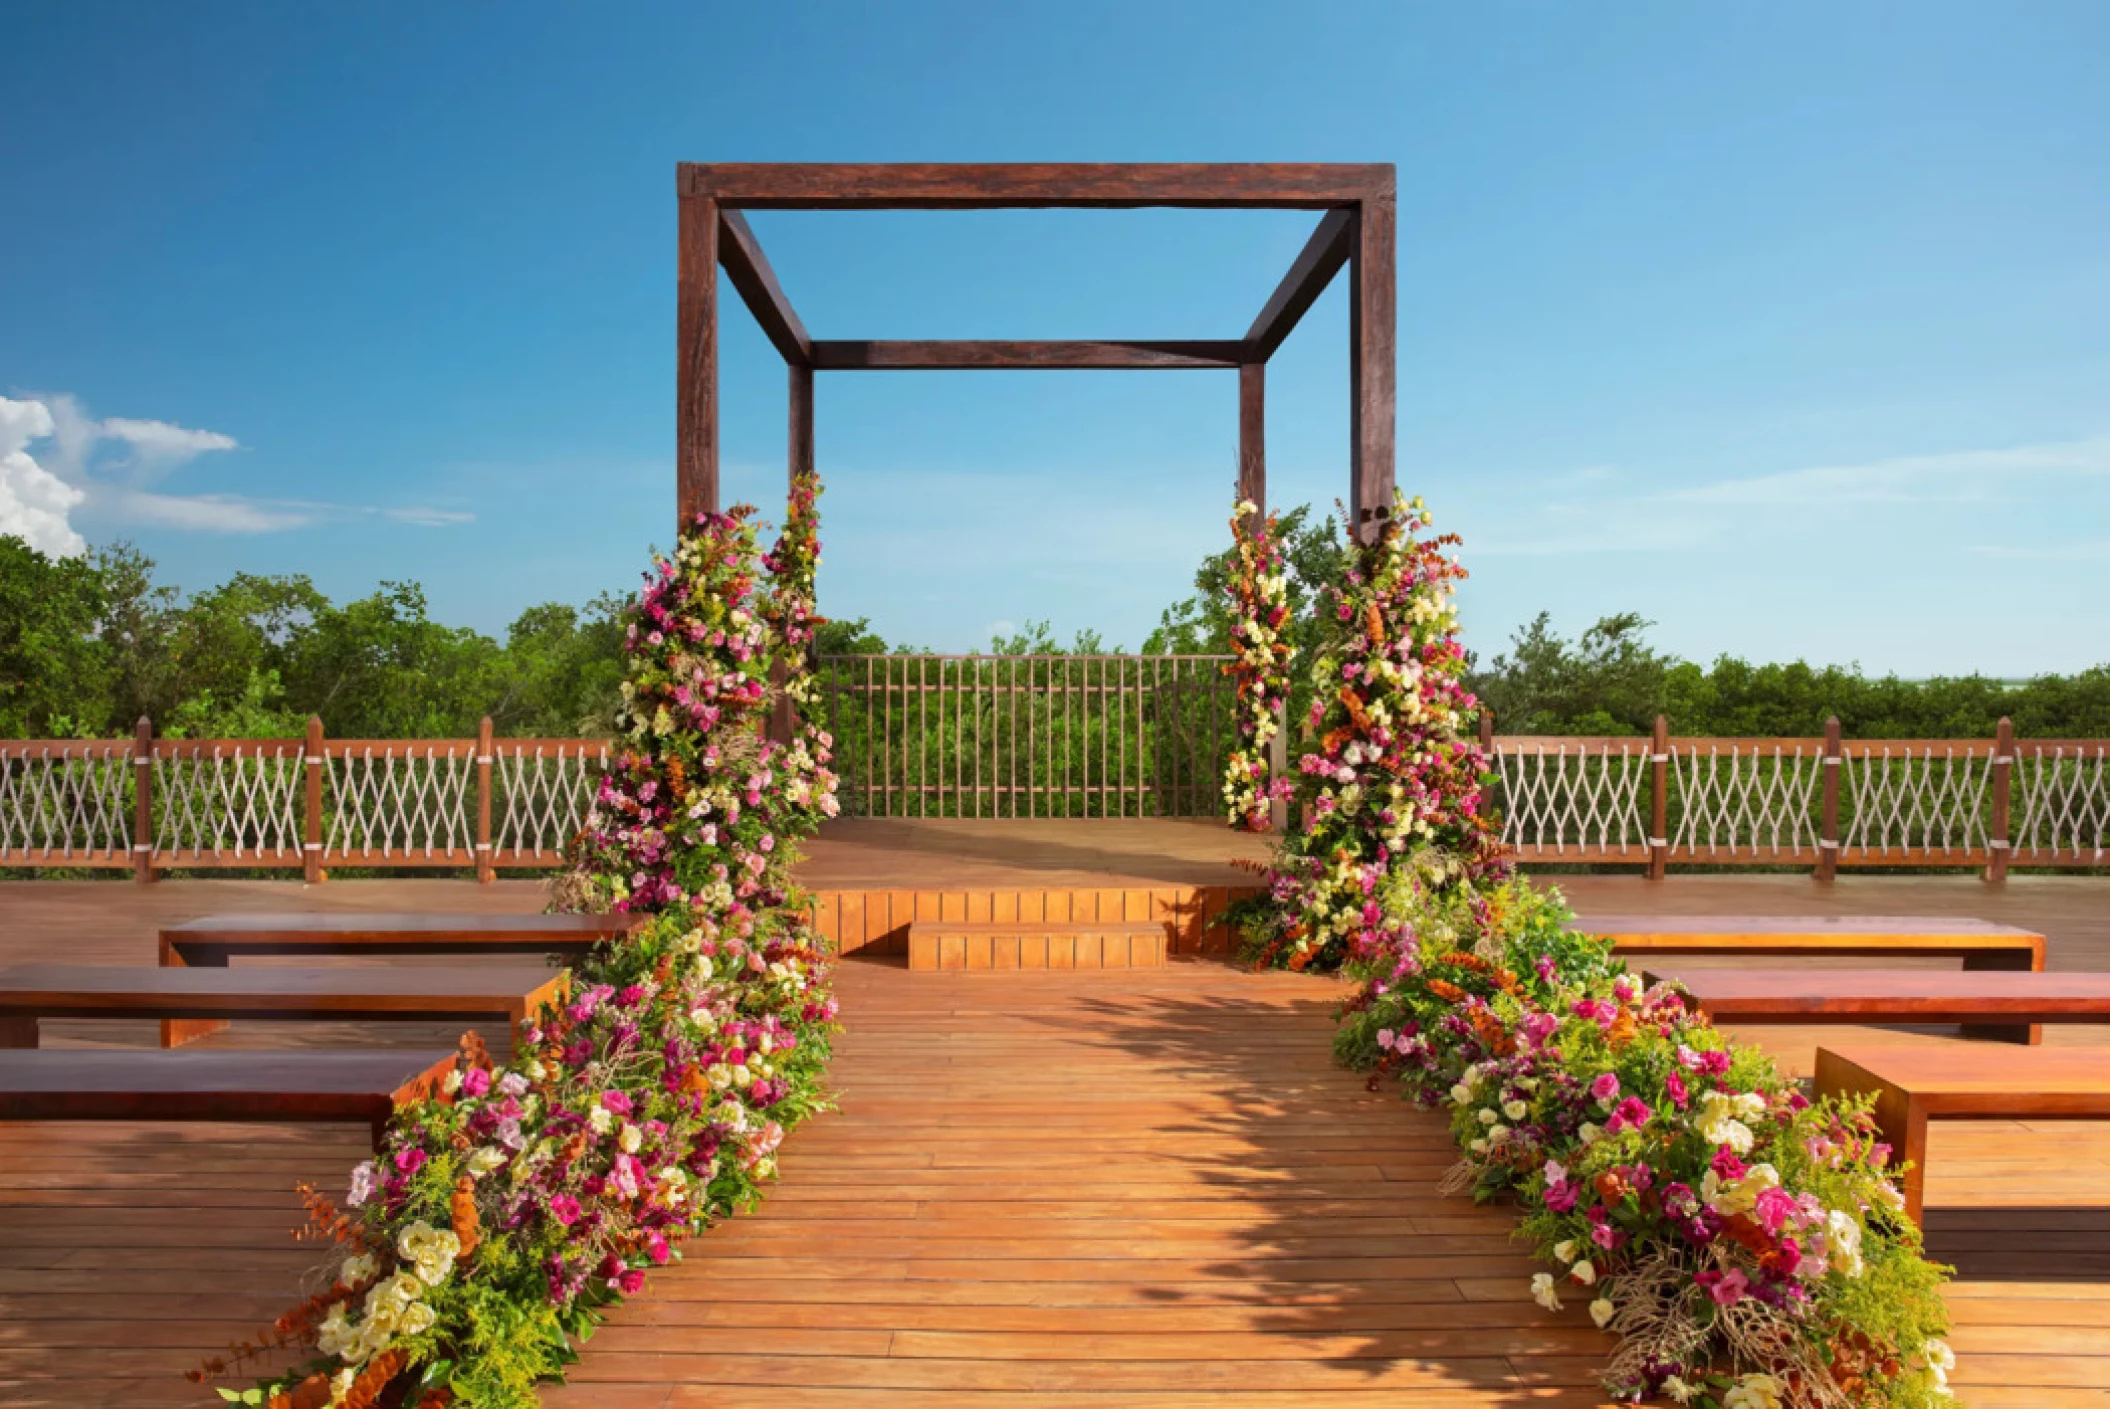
(89, 645)
(1610, 680)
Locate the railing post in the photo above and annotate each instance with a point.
(311, 827)
(1828, 823)
(143, 802)
(1658, 800)
(1487, 729)
(1998, 842)
(485, 871)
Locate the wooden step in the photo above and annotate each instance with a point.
(456, 993)
(362, 1086)
(1037, 944)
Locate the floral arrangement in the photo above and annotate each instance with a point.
(1744, 1243)
(1388, 769)
(1261, 654)
(793, 565)
(508, 1209)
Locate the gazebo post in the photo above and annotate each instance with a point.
(1371, 356)
(1252, 436)
(696, 361)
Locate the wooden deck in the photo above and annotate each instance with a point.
(1114, 1188)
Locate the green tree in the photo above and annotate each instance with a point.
(55, 675)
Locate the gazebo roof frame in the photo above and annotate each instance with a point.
(1356, 231)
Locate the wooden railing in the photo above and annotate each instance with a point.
(1821, 802)
(1052, 736)
(152, 805)
(1028, 736)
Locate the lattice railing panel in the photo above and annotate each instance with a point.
(392, 803)
(542, 791)
(228, 802)
(1748, 800)
(1572, 799)
(1915, 803)
(2061, 808)
(66, 801)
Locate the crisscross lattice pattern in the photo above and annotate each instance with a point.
(1572, 799)
(1929, 799)
(66, 802)
(543, 789)
(228, 802)
(1745, 800)
(2061, 806)
(401, 803)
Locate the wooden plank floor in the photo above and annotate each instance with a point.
(1144, 1187)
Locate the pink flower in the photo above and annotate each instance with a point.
(1605, 1089)
(1632, 1114)
(410, 1161)
(1727, 1288)
(475, 1081)
(565, 1209)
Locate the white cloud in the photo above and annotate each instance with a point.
(1954, 477)
(34, 502)
(425, 516)
(106, 469)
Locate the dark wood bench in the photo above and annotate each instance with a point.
(37, 991)
(1978, 944)
(214, 940)
(2005, 1006)
(1912, 1085)
(246, 1086)
(1036, 944)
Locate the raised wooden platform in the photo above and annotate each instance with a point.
(1048, 1191)
(1036, 944)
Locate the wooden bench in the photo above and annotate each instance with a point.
(247, 1086)
(1980, 945)
(37, 991)
(1036, 944)
(1914, 1084)
(212, 941)
(2005, 1006)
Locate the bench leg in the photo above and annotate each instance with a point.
(18, 1031)
(2006, 961)
(176, 1032)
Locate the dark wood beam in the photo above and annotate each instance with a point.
(942, 186)
(696, 361)
(840, 356)
(1321, 258)
(749, 270)
(1373, 369)
(1252, 437)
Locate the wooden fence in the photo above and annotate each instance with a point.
(1029, 736)
(151, 804)
(1053, 736)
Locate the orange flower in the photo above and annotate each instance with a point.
(1449, 992)
(463, 1208)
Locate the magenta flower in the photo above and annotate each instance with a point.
(1605, 1089)
(565, 1209)
(475, 1081)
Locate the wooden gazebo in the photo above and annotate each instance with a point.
(1356, 230)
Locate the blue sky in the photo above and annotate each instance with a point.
(1786, 326)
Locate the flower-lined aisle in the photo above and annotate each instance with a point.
(504, 1214)
(1261, 656)
(1746, 1246)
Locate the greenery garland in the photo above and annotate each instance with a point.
(506, 1212)
(1746, 1245)
(1261, 654)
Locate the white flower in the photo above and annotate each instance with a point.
(601, 1119)
(1740, 1195)
(1462, 1093)
(485, 1159)
(416, 1318)
(1515, 1110)
(1721, 1118)
(341, 1384)
(1565, 1250)
(357, 1269)
(1755, 1392)
(1589, 1134)
(1842, 1236)
(1680, 1391)
(1601, 1311)
(1488, 1117)
(1556, 1172)
(1543, 1293)
(1583, 1272)
(630, 1139)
